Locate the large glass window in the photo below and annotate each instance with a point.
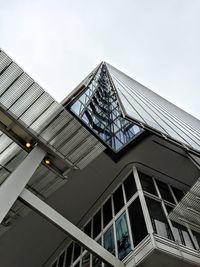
(109, 243)
(123, 238)
(147, 183)
(88, 228)
(96, 262)
(69, 255)
(181, 235)
(77, 251)
(164, 191)
(118, 199)
(130, 186)
(107, 212)
(97, 224)
(138, 226)
(178, 193)
(158, 218)
(61, 260)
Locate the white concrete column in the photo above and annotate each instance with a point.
(15, 183)
(70, 229)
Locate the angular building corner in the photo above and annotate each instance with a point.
(108, 177)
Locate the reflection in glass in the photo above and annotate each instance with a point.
(164, 191)
(181, 235)
(109, 240)
(123, 238)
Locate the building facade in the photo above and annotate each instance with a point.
(109, 177)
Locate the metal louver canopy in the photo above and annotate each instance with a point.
(30, 106)
(187, 211)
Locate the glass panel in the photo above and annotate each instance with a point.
(97, 224)
(87, 229)
(77, 251)
(164, 191)
(118, 200)
(178, 193)
(159, 221)
(130, 186)
(197, 239)
(181, 235)
(138, 226)
(109, 240)
(69, 255)
(107, 212)
(122, 235)
(77, 265)
(61, 260)
(147, 183)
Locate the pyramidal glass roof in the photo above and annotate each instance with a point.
(142, 105)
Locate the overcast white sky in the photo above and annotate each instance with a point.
(156, 42)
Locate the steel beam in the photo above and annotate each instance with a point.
(70, 229)
(15, 183)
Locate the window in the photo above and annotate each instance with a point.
(123, 238)
(107, 212)
(159, 221)
(109, 243)
(77, 251)
(147, 183)
(97, 224)
(164, 191)
(138, 226)
(61, 260)
(197, 239)
(69, 255)
(118, 199)
(181, 235)
(178, 193)
(130, 186)
(87, 229)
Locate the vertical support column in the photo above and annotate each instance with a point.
(15, 183)
(74, 232)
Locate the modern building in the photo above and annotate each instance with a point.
(108, 177)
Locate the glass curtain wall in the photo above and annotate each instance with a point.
(99, 109)
(119, 224)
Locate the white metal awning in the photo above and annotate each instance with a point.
(187, 211)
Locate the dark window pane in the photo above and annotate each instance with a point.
(169, 208)
(159, 221)
(97, 224)
(123, 238)
(77, 251)
(69, 255)
(109, 240)
(78, 264)
(181, 235)
(118, 200)
(54, 264)
(197, 239)
(87, 229)
(178, 193)
(61, 260)
(147, 183)
(130, 186)
(138, 226)
(164, 191)
(107, 212)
